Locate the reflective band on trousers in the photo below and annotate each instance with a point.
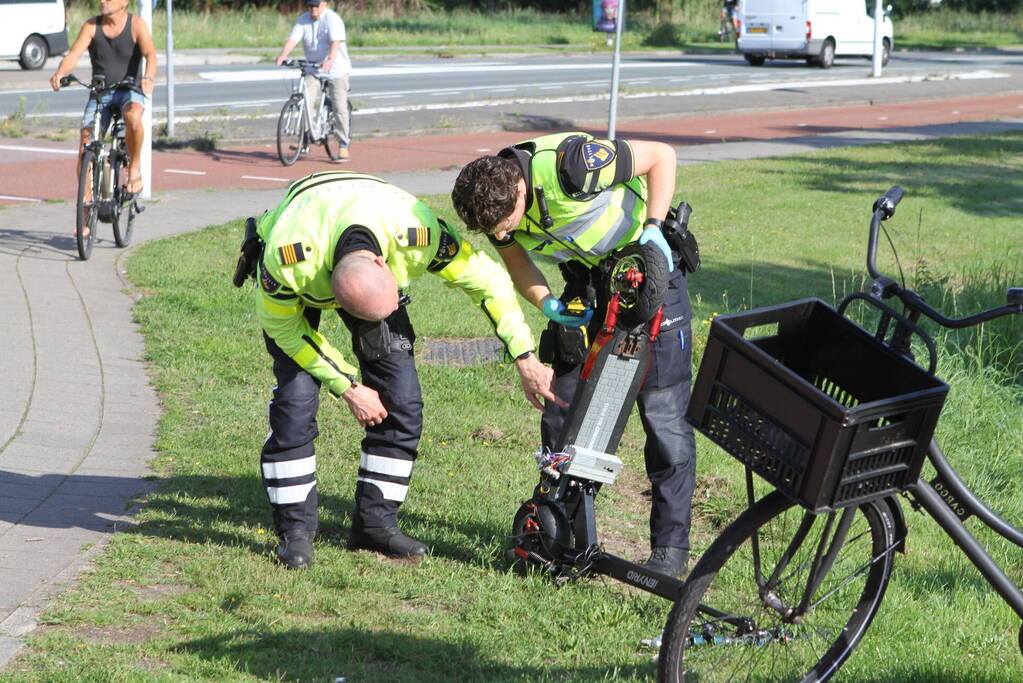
(289, 468)
(389, 490)
(389, 466)
(282, 495)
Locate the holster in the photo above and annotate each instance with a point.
(685, 252)
(563, 344)
(248, 257)
(374, 340)
(570, 345)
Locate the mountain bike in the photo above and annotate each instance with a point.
(102, 172)
(297, 126)
(838, 421)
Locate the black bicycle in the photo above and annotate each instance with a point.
(102, 172)
(838, 420)
(298, 124)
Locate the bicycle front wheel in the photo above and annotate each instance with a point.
(122, 216)
(86, 210)
(745, 613)
(290, 132)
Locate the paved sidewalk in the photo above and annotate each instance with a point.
(78, 416)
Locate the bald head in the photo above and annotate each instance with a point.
(364, 286)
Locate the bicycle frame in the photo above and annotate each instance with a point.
(317, 124)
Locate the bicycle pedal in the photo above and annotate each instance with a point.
(139, 208)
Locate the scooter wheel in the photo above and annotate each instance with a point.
(541, 530)
(638, 303)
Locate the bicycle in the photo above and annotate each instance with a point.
(104, 161)
(838, 421)
(296, 127)
(728, 27)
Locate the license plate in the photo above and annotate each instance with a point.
(757, 29)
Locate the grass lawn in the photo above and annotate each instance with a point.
(695, 27)
(191, 592)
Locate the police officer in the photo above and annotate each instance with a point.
(352, 242)
(602, 195)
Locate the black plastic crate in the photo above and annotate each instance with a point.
(814, 404)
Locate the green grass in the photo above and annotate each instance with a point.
(695, 26)
(191, 592)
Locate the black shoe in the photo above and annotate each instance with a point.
(296, 549)
(387, 540)
(670, 561)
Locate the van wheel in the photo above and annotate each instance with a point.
(886, 51)
(755, 60)
(33, 53)
(827, 56)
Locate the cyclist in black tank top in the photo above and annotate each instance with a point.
(117, 41)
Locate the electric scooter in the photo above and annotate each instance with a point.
(556, 529)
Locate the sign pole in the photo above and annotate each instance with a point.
(146, 157)
(615, 64)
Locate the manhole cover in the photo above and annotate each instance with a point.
(460, 351)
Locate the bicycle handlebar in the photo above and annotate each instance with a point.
(884, 287)
(129, 83)
(301, 64)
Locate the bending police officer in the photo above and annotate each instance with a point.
(602, 195)
(351, 242)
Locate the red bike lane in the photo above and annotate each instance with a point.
(39, 170)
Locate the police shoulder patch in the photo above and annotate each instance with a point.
(447, 248)
(597, 155)
(267, 281)
(291, 254)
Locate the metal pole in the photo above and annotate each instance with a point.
(170, 68)
(613, 113)
(878, 20)
(146, 157)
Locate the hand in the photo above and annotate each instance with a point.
(327, 63)
(365, 405)
(653, 234)
(55, 82)
(537, 379)
(280, 58)
(147, 86)
(556, 310)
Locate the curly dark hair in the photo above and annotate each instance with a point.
(484, 192)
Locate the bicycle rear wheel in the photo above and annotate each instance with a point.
(86, 211)
(291, 132)
(332, 141)
(123, 214)
(734, 619)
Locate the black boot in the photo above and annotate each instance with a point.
(387, 540)
(667, 560)
(296, 549)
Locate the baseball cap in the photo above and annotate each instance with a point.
(313, 3)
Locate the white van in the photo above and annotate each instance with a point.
(814, 30)
(32, 30)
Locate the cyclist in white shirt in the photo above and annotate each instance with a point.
(322, 33)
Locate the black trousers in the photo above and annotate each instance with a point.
(670, 449)
(388, 450)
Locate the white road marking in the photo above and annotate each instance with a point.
(260, 177)
(376, 71)
(19, 199)
(44, 150)
(175, 170)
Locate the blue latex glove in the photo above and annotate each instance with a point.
(653, 234)
(556, 310)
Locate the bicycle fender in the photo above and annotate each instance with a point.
(899, 519)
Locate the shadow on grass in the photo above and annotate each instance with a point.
(356, 654)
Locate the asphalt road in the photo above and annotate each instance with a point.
(416, 94)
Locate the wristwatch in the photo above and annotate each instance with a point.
(524, 356)
(654, 221)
